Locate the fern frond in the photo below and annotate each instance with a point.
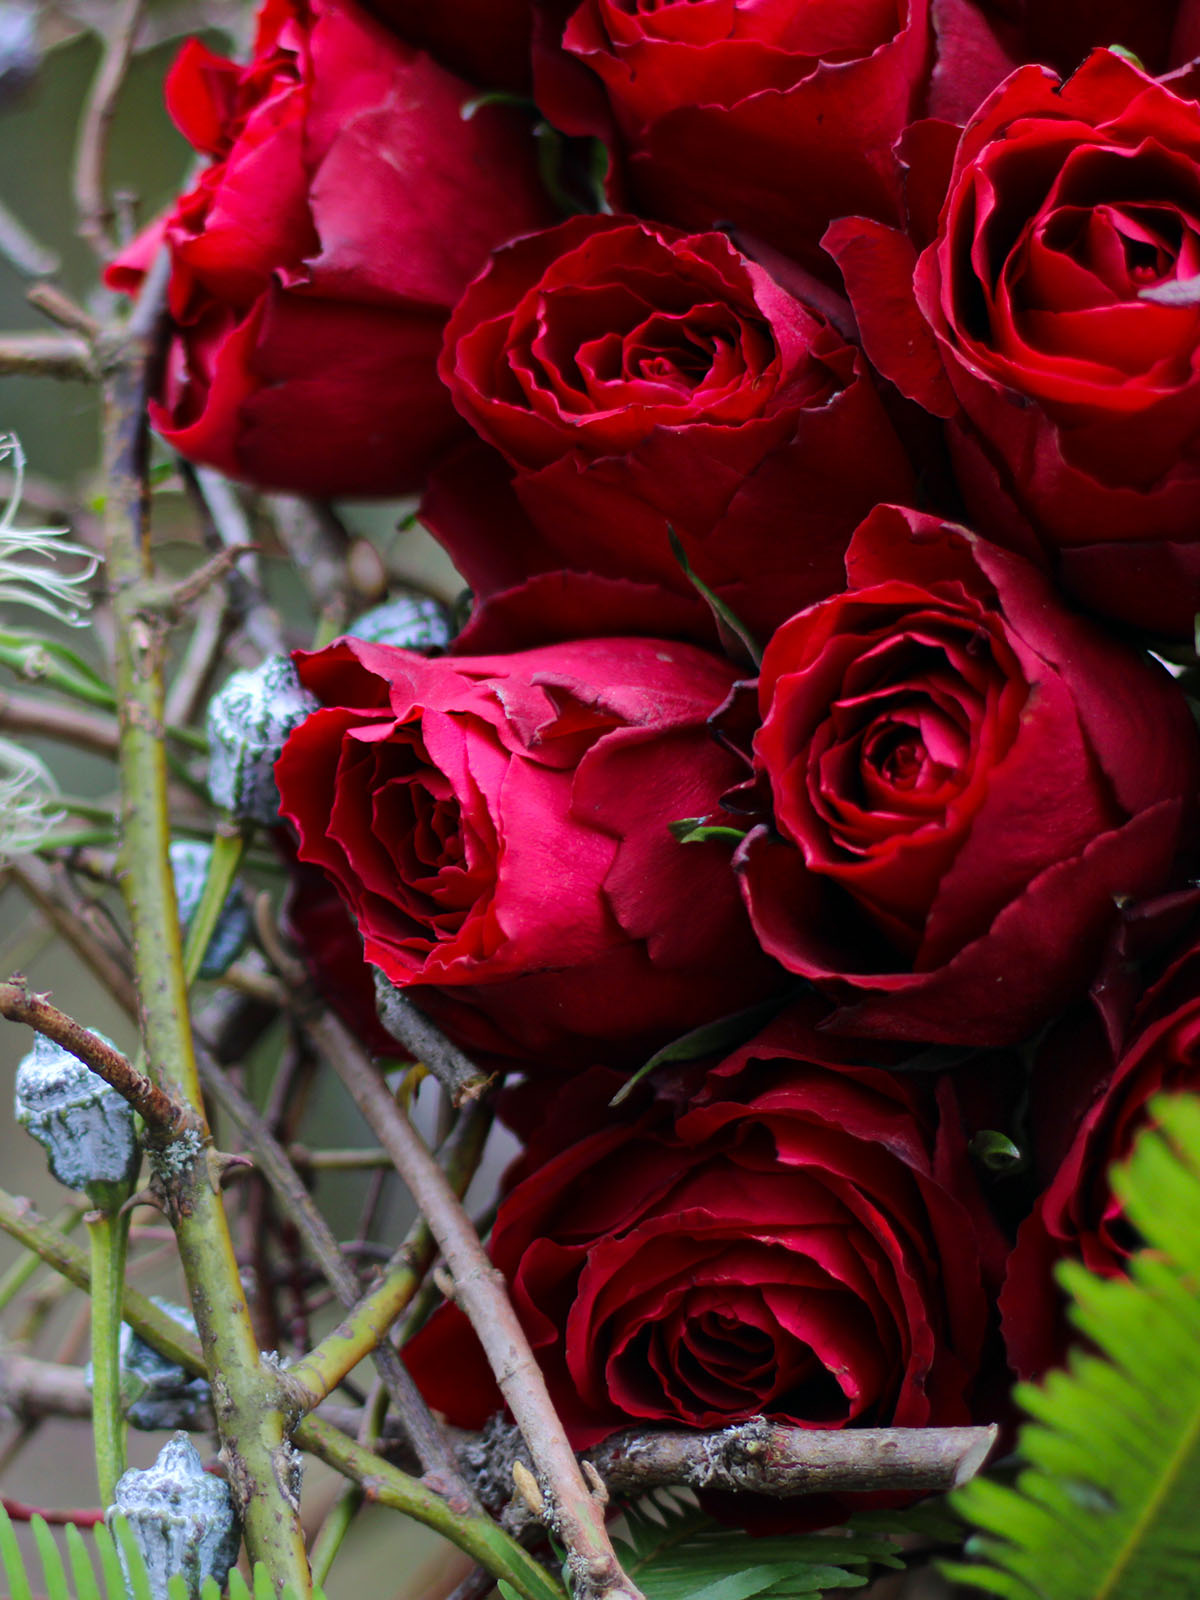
(1105, 1508)
(39, 584)
(672, 1551)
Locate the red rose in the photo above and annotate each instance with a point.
(775, 117)
(487, 41)
(1058, 291)
(981, 41)
(805, 1241)
(964, 776)
(638, 379)
(498, 826)
(1078, 1215)
(313, 265)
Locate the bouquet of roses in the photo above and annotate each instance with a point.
(796, 830)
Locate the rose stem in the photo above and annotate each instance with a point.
(478, 1536)
(428, 1440)
(577, 1517)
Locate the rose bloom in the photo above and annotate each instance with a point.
(774, 117)
(346, 207)
(964, 776)
(1057, 292)
(979, 42)
(499, 829)
(805, 1241)
(1078, 1215)
(637, 379)
(487, 41)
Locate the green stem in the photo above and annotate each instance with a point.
(109, 1237)
(246, 1395)
(19, 1274)
(478, 1536)
(228, 851)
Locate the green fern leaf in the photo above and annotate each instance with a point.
(1105, 1506)
(55, 1575)
(672, 1551)
(12, 1563)
(82, 1571)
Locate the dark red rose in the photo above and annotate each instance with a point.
(805, 1241)
(1058, 293)
(964, 777)
(498, 826)
(775, 117)
(637, 379)
(347, 205)
(979, 42)
(487, 41)
(1078, 1215)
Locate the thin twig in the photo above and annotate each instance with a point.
(46, 355)
(430, 1444)
(78, 924)
(228, 528)
(56, 304)
(27, 255)
(86, 730)
(92, 207)
(760, 1457)
(199, 659)
(458, 1075)
(574, 1513)
(156, 1107)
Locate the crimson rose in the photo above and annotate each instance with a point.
(498, 826)
(964, 776)
(638, 379)
(1059, 290)
(772, 116)
(1078, 1214)
(347, 205)
(805, 1241)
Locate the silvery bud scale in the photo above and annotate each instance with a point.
(181, 1517)
(86, 1127)
(410, 621)
(249, 720)
(156, 1392)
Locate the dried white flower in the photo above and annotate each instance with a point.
(28, 800)
(37, 582)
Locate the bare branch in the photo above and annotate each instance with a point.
(155, 1106)
(27, 255)
(459, 1076)
(573, 1512)
(760, 1457)
(94, 211)
(45, 355)
(56, 304)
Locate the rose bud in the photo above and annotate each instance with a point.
(640, 382)
(248, 721)
(1055, 324)
(1077, 1215)
(182, 1519)
(347, 205)
(772, 117)
(410, 621)
(966, 778)
(85, 1126)
(499, 829)
(804, 1242)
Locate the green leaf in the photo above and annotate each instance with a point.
(996, 1151)
(698, 830)
(1105, 1503)
(674, 1552)
(55, 665)
(724, 616)
(711, 1038)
